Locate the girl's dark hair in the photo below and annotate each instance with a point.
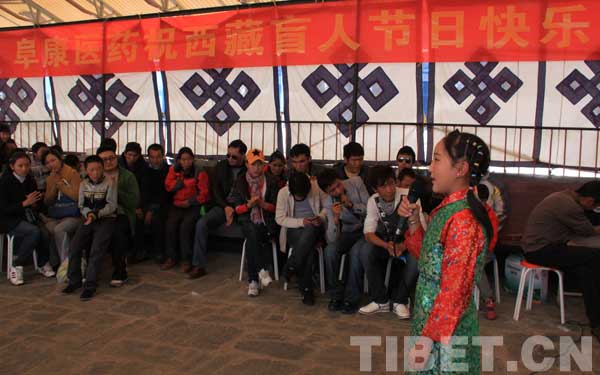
(472, 149)
(185, 150)
(51, 151)
(277, 155)
(18, 155)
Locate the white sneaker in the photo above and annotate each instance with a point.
(373, 308)
(402, 311)
(253, 289)
(16, 275)
(265, 278)
(47, 270)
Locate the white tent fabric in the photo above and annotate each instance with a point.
(473, 95)
(129, 96)
(221, 103)
(22, 100)
(322, 95)
(571, 100)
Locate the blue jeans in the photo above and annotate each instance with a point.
(358, 259)
(213, 219)
(333, 258)
(27, 239)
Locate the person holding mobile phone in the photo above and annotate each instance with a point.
(302, 216)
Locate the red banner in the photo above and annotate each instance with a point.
(321, 33)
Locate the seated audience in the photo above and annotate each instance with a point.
(98, 206)
(61, 199)
(221, 211)
(345, 218)
(6, 150)
(406, 159)
(276, 169)
(353, 164)
(38, 169)
(254, 196)
(155, 203)
(19, 203)
(189, 186)
(128, 196)
(5, 133)
(383, 245)
(133, 160)
(553, 229)
(300, 211)
(73, 161)
(301, 161)
(406, 177)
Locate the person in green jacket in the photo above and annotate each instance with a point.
(128, 199)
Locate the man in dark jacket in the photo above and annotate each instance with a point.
(132, 160)
(254, 196)
(353, 164)
(301, 161)
(222, 180)
(155, 203)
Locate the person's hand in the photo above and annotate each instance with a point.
(139, 213)
(391, 248)
(306, 221)
(229, 215)
(148, 218)
(89, 219)
(346, 201)
(261, 203)
(253, 202)
(337, 209)
(400, 248)
(32, 198)
(419, 354)
(316, 221)
(410, 211)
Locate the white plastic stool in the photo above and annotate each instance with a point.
(477, 293)
(9, 253)
(528, 276)
(275, 263)
(321, 269)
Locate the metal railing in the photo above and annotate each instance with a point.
(515, 149)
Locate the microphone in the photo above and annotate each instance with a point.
(416, 190)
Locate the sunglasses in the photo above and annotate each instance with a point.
(232, 157)
(404, 160)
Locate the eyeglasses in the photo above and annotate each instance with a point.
(404, 160)
(109, 159)
(232, 157)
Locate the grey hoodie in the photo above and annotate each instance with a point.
(99, 198)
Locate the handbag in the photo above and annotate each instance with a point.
(63, 207)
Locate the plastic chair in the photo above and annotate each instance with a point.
(9, 253)
(528, 276)
(275, 262)
(321, 269)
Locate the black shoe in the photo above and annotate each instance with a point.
(349, 308)
(71, 288)
(335, 305)
(308, 297)
(87, 294)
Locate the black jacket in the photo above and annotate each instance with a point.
(364, 175)
(240, 195)
(139, 169)
(221, 182)
(154, 191)
(12, 195)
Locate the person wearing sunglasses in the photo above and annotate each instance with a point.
(222, 212)
(405, 159)
(128, 197)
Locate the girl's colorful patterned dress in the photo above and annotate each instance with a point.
(451, 257)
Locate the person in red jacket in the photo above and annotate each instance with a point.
(190, 189)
